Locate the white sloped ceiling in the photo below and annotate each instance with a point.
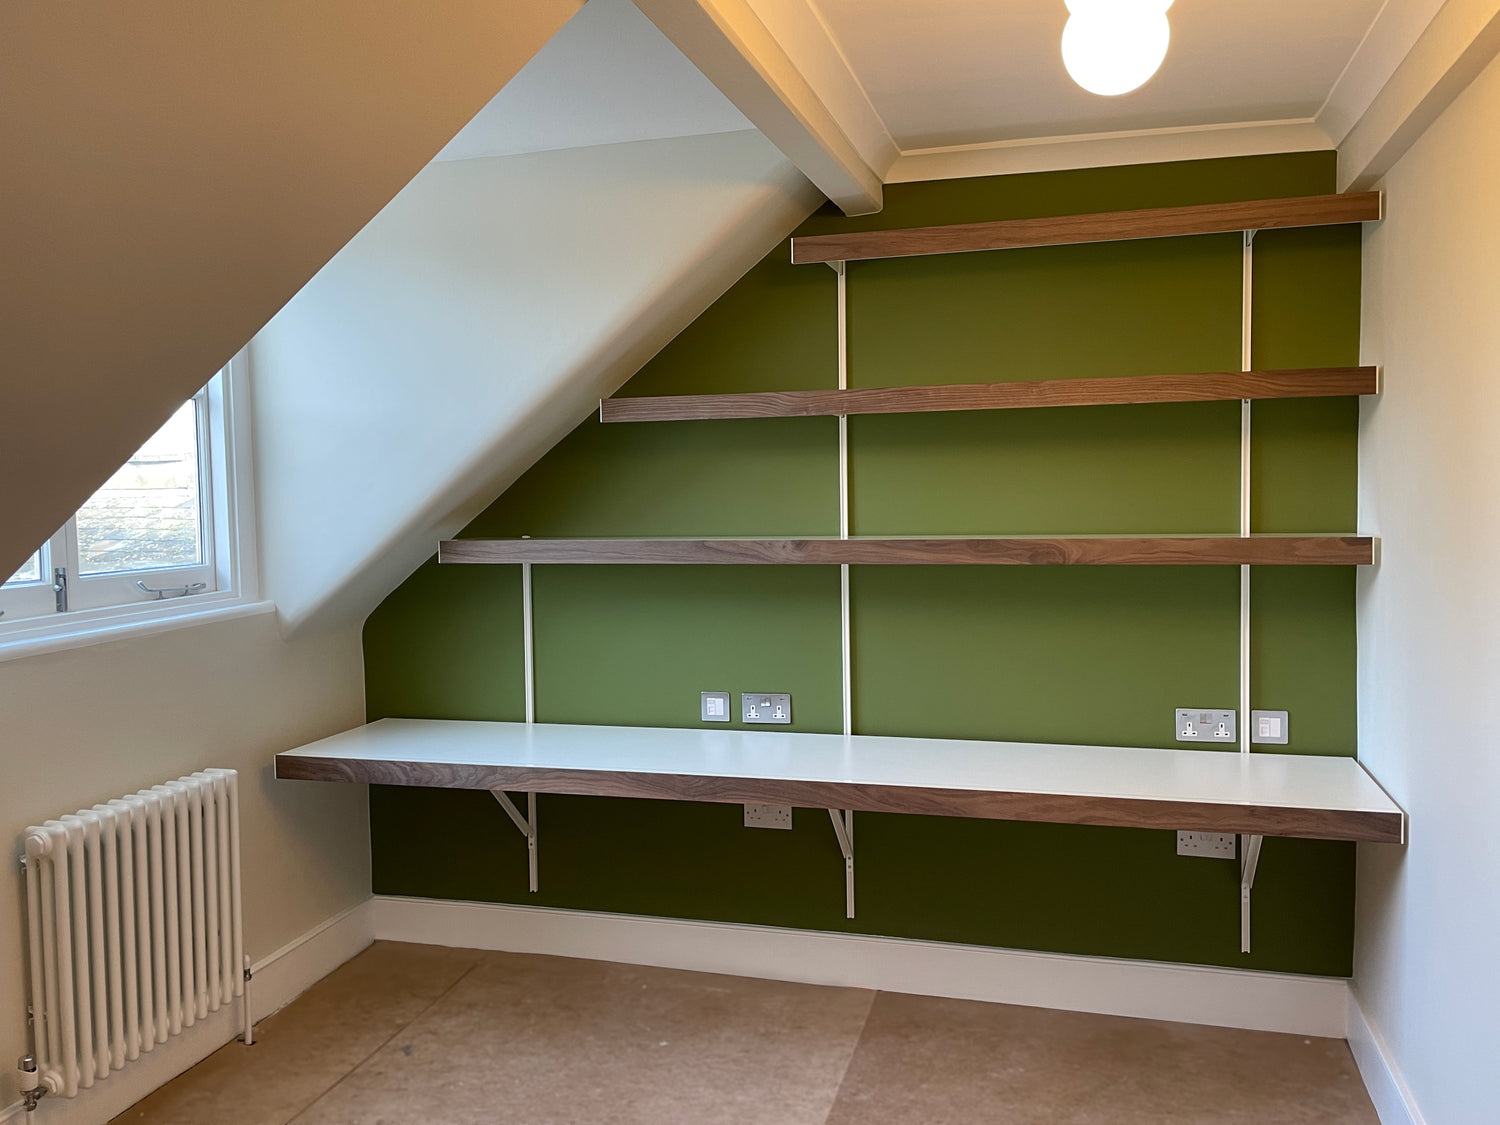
(475, 321)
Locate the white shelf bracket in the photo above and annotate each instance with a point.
(527, 825)
(1249, 861)
(843, 828)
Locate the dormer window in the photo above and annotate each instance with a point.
(160, 530)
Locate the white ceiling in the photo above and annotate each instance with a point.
(861, 93)
(607, 77)
(961, 72)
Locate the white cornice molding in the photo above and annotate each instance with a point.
(729, 42)
(1451, 51)
(1103, 150)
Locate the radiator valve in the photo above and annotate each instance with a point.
(30, 1081)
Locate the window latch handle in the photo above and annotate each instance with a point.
(60, 587)
(173, 591)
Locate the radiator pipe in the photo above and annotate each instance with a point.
(34, 955)
(30, 1082)
(249, 1036)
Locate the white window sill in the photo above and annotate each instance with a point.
(54, 633)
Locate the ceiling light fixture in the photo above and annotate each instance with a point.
(1112, 47)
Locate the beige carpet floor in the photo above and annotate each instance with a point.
(406, 1033)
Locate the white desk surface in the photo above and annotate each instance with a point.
(470, 754)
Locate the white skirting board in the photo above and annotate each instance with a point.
(1388, 1090)
(1241, 998)
(276, 980)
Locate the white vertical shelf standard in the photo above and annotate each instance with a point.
(527, 823)
(1249, 845)
(843, 821)
(528, 644)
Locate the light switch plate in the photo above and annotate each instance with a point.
(715, 707)
(765, 707)
(1268, 727)
(1213, 845)
(768, 816)
(1198, 725)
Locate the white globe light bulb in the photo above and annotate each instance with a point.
(1142, 7)
(1112, 47)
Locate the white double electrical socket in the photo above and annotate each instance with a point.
(1213, 845)
(768, 816)
(1194, 725)
(765, 707)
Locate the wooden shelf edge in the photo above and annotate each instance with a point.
(1124, 812)
(1210, 386)
(1105, 226)
(1223, 550)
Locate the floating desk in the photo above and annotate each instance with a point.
(1254, 795)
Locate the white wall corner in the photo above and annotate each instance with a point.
(1104, 150)
(278, 980)
(1239, 998)
(1387, 1088)
(1375, 124)
(280, 977)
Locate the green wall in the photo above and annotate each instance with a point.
(1053, 654)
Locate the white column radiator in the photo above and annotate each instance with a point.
(135, 925)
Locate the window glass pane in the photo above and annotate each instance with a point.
(31, 571)
(147, 515)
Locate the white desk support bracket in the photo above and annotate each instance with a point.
(843, 828)
(527, 825)
(1249, 861)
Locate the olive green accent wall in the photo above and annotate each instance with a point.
(1052, 654)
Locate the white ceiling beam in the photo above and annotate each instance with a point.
(730, 43)
(1397, 26)
(1376, 114)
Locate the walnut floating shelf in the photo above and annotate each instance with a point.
(1312, 382)
(1123, 550)
(1106, 226)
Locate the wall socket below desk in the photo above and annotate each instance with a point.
(768, 816)
(1212, 845)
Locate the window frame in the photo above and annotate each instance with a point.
(30, 600)
(229, 556)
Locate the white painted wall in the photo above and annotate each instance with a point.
(469, 327)
(84, 725)
(1428, 929)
